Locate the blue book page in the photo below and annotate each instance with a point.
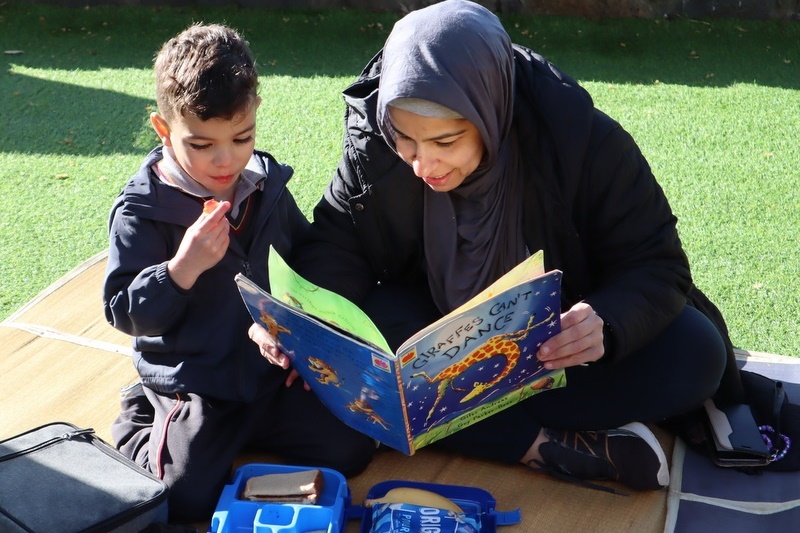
(481, 360)
(355, 380)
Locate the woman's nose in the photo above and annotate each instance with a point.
(422, 163)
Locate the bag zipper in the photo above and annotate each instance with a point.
(71, 435)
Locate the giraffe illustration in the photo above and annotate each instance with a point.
(326, 374)
(268, 321)
(505, 344)
(359, 405)
(294, 301)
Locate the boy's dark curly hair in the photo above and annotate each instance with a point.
(207, 71)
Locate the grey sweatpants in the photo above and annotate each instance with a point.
(191, 441)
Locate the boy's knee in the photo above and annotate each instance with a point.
(192, 501)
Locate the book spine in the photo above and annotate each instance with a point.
(403, 407)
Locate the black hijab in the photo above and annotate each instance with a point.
(458, 55)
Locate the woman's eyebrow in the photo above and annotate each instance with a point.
(436, 138)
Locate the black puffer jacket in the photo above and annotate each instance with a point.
(591, 203)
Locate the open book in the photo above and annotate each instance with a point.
(470, 364)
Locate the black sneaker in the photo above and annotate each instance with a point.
(630, 455)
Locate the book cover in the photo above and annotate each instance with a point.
(472, 363)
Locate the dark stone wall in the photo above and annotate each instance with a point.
(744, 9)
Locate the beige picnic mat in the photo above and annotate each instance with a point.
(61, 361)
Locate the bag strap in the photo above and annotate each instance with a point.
(777, 404)
(70, 435)
(777, 442)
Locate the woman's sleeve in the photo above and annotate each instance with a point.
(332, 255)
(640, 269)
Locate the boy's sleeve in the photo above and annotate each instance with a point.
(139, 297)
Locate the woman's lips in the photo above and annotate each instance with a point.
(436, 180)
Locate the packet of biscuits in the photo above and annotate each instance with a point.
(303, 487)
(395, 517)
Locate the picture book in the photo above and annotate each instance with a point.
(470, 364)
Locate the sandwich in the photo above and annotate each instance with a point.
(303, 487)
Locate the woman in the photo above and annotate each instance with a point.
(463, 154)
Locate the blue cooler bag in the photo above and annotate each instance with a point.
(234, 514)
(334, 508)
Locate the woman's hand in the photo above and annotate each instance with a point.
(580, 340)
(268, 346)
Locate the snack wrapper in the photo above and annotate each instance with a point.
(409, 518)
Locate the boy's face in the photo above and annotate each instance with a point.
(213, 152)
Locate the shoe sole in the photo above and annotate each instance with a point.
(644, 432)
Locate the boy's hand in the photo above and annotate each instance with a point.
(268, 345)
(202, 247)
(580, 340)
(293, 376)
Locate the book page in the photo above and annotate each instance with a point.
(354, 380)
(292, 289)
(482, 360)
(530, 268)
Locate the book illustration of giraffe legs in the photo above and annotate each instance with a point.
(360, 406)
(505, 344)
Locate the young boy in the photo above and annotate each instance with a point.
(206, 393)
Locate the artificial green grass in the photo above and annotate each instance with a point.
(715, 106)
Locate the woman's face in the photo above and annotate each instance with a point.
(442, 151)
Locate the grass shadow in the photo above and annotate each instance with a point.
(686, 52)
(338, 42)
(58, 118)
(52, 116)
(285, 42)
